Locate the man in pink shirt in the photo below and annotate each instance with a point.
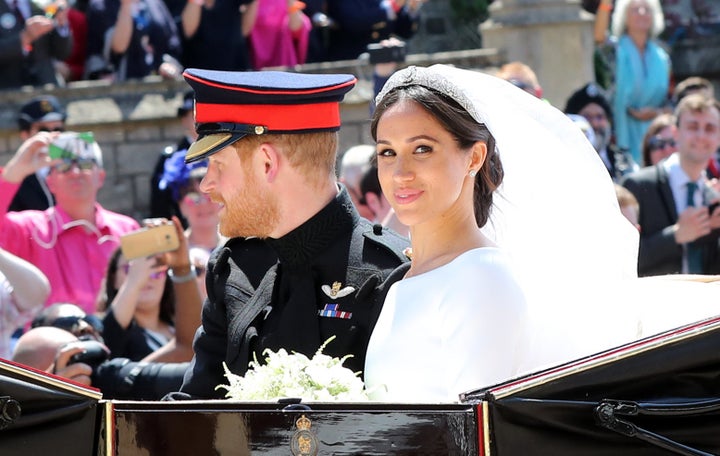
(72, 241)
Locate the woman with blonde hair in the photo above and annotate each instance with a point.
(641, 67)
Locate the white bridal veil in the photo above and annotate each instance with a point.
(557, 216)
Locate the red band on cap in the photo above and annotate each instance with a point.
(274, 117)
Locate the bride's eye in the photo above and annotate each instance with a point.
(386, 153)
(423, 149)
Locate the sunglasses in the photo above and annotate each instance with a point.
(195, 198)
(73, 324)
(657, 143)
(153, 275)
(45, 128)
(83, 164)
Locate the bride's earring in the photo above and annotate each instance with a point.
(472, 173)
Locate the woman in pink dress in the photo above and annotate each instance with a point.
(280, 33)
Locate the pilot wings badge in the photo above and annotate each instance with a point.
(336, 291)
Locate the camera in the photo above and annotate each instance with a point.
(380, 53)
(94, 353)
(149, 241)
(120, 378)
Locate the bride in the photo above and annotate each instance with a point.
(505, 281)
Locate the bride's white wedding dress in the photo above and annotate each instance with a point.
(440, 332)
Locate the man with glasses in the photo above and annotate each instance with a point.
(72, 241)
(71, 318)
(590, 102)
(42, 113)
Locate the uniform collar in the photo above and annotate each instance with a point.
(308, 241)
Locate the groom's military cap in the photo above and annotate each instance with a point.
(230, 105)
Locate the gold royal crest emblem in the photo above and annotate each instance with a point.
(304, 442)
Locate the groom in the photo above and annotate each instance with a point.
(301, 265)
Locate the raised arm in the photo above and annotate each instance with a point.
(123, 27)
(188, 304)
(30, 286)
(602, 20)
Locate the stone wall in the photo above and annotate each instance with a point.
(134, 121)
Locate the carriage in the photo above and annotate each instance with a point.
(657, 395)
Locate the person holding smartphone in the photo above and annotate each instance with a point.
(142, 295)
(71, 241)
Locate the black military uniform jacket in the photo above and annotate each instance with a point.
(325, 278)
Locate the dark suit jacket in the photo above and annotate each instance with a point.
(659, 253)
(35, 68)
(31, 195)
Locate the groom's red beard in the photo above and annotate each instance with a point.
(249, 212)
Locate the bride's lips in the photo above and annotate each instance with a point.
(407, 196)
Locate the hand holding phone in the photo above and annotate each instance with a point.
(149, 241)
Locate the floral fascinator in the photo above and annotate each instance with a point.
(177, 174)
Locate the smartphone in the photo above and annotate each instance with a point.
(149, 241)
(55, 151)
(69, 144)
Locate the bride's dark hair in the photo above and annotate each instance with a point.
(466, 131)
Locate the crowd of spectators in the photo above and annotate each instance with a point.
(66, 279)
(120, 40)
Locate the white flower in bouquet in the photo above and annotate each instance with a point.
(321, 378)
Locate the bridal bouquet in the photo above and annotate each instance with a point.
(321, 378)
